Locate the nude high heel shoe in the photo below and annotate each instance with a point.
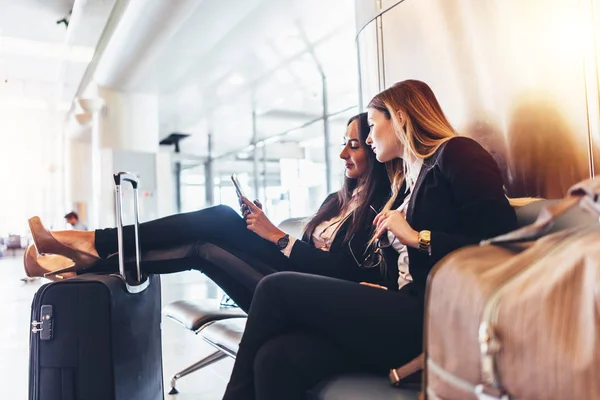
(37, 266)
(47, 244)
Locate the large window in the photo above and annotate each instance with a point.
(277, 100)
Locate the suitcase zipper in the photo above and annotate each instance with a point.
(488, 340)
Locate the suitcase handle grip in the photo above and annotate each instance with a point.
(126, 177)
(119, 178)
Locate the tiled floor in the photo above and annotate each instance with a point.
(180, 347)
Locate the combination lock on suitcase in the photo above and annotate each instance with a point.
(98, 337)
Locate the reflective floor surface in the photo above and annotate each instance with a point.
(180, 346)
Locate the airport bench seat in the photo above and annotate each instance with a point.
(197, 316)
(225, 334)
(194, 315)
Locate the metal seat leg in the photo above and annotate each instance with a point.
(206, 361)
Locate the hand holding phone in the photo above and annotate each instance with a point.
(245, 207)
(241, 196)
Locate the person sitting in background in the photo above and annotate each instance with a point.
(73, 220)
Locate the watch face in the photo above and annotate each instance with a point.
(283, 242)
(426, 235)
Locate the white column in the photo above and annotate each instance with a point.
(94, 107)
(115, 131)
(131, 122)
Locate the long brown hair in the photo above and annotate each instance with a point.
(375, 189)
(426, 127)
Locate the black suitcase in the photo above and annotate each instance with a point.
(98, 337)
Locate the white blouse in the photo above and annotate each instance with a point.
(324, 233)
(404, 276)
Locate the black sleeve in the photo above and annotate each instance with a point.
(477, 187)
(336, 264)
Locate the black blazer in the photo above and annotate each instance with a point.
(459, 197)
(338, 262)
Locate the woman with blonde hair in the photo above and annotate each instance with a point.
(303, 329)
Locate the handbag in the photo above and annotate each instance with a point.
(518, 316)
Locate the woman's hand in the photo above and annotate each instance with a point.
(245, 209)
(395, 222)
(258, 223)
(374, 285)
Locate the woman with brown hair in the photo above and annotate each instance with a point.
(334, 237)
(302, 329)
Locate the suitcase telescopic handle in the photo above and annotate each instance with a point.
(119, 179)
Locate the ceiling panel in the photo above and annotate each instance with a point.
(34, 19)
(37, 67)
(230, 57)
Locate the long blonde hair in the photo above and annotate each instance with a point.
(425, 130)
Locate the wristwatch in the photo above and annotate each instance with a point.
(283, 242)
(425, 241)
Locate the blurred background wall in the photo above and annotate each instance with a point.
(521, 77)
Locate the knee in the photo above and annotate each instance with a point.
(220, 213)
(279, 279)
(276, 284)
(223, 210)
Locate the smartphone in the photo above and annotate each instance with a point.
(238, 187)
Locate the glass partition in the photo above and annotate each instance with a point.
(509, 74)
(370, 81)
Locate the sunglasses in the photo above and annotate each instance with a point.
(384, 240)
(374, 257)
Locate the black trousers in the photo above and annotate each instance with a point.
(219, 225)
(304, 328)
(239, 281)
